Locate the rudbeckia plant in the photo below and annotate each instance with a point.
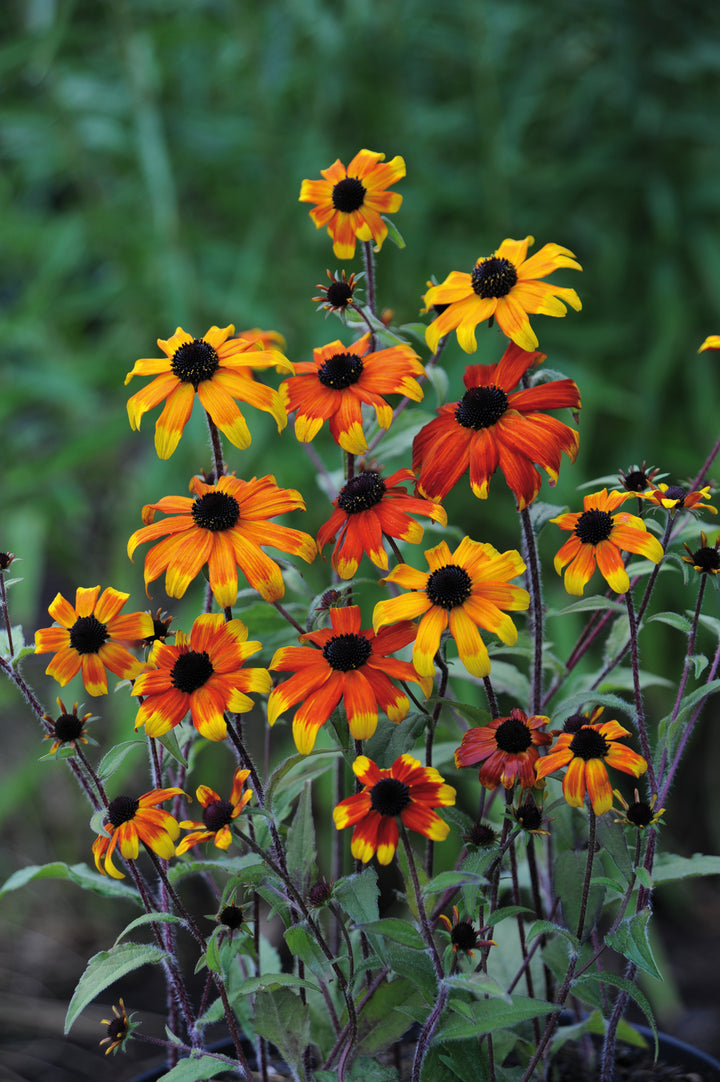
(460, 728)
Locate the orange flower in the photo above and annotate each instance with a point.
(369, 508)
(586, 754)
(134, 820)
(90, 637)
(507, 748)
(68, 729)
(711, 342)
(224, 526)
(351, 664)
(706, 559)
(490, 427)
(600, 533)
(216, 368)
(217, 816)
(463, 591)
(676, 498)
(503, 286)
(407, 789)
(202, 673)
(350, 201)
(340, 380)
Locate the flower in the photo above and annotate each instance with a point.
(407, 789)
(119, 1029)
(6, 558)
(503, 286)
(640, 813)
(711, 342)
(223, 526)
(215, 368)
(89, 638)
(351, 664)
(68, 728)
(202, 673)
(507, 748)
(490, 427)
(368, 508)
(600, 533)
(676, 498)
(586, 754)
(340, 380)
(350, 201)
(574, 722)
(638, 478)
(217, 816)
(706, 559)
(463, 591)
(463, 935)
(529, 817)
(339, 294)
(134, 820)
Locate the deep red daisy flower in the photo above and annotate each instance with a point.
(507, 748)
(493, 427)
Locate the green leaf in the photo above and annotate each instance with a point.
(196, 1067)
(358, 895)
(700, 664)
(379, 1023)
(169, 741)
(438, 378)
(149, 918)
(495, 1014)
(626, 986)
(272, 980)
(362, 1070)
(669, 868)
(399, 931)
(303, 945)
(105, 969)
(546, 927)
(393, 232)
(673, 619)
(283, 1019)
(631, 940)
(76, 873)
(478, 985)
(592, 604)
(112, 759)
(415, 965)
(301, 844)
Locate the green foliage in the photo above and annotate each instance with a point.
(105, 968)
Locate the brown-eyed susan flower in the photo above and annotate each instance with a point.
(203, 674)
(350, 201)
(215, 368)
(132, 820)
(506, 748)
(368, 509)
(529, 816)
(599, 534)
(706, 559)
(339, 294)
(711, 342)
(463, 935)
(587, 754)
(493, 427)
(640, 813)
(118, 1029)
(340, 379)
(676, 498)
(223, 526)
(463, 591)
(68, 729)
(6, 558)
(348, 663)
(91, 636)
(504, 287)
(407, 789)
(218, 815)
(574, 722)
(638, 478)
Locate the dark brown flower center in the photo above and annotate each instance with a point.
(217, 814)
(122, 809)
(340, 371)
(363, 491)
(513, 736)
(707, 559)
(68, 727)
(449, 586)
(191, 671)
(494, 277)
(635, 481)
(389, 796)
(339, 294)
(117, 1029)
(346, 652)
(195, 362)
(574, 723)
(481, 407)
(529, 816)
(589, 744)
(640, 814)
(463, 936)
(348, 195)
(481, 834)
(87, 635)
(216, 511)
(594, 526)
(231, 917)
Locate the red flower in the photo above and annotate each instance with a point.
(507, 748)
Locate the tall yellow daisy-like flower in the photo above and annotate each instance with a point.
(90, 637)
(216, 367)
(223, 526)
(407, 789)
(132, 820)
(587, 753)
(350, 201)
(463, 591)
(203, 674)
(340, 380)
(503, 286)
(599, 534)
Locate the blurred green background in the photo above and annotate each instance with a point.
(151, 158)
